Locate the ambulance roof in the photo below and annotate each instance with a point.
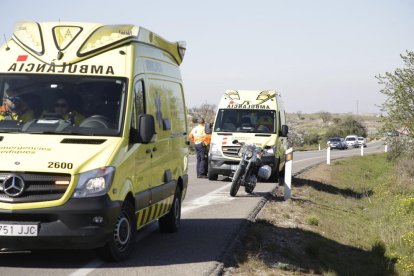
(249, 99)
(70, 42)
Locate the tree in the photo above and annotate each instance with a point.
(399, 90)
(345, 127)
(325, 116)
(336, 120)
(206, 111)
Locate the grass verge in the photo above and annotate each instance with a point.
(355, 217)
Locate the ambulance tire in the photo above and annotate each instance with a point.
(171, 221)
(212, 176)
(122, 241)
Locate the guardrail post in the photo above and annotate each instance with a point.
(328, 155)
(287, 191)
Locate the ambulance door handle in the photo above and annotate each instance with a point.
(154, 149)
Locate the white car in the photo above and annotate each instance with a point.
(362, 141)
(352, 141)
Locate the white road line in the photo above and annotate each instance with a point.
(214, 197)
(297, 161)
(88, 268)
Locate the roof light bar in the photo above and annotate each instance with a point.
(107, 35)
(30, 35)
(65, 35)
(182, 46)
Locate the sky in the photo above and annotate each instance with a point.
(321, 55)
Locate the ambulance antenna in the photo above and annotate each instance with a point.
(5, 40)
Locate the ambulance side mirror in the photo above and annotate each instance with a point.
(208, 128)
(145, 131)
(284, 131)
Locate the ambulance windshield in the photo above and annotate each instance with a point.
(245, 120)
(62, 104)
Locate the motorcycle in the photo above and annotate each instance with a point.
(249, 169)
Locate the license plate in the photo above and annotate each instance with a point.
(234, 167)
(24, 230)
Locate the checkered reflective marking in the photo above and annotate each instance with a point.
(153, 212)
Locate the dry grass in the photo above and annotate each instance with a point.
(343, 219)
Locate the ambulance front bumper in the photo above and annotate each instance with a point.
(225, 166)
(74, 225)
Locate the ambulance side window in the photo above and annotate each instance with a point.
(139, 99)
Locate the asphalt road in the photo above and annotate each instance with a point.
(211, 220)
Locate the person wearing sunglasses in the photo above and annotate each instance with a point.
(15, 108)
(63, 108)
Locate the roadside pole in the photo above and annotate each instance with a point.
(386, 147)
(319, 147)
(362, 150)
(328, 155)
(287, 191)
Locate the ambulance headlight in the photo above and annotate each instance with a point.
(214, 149)
(94, 183)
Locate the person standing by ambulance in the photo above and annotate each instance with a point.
(198, 136)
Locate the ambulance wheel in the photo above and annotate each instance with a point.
(212, 176)
(122, 241)
(171, 221)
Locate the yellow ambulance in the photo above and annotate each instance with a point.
(250, 116)
(92, 136)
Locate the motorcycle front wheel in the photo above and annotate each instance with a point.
(236, 182)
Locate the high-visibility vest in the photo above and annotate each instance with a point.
(197, 134)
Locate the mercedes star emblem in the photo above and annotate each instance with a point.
(13, 185)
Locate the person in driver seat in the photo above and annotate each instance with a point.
(265, 123)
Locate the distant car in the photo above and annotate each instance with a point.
(336, 143)
(344, 144)
(362, 141)
(352, 141)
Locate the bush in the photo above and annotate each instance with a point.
(400, 148)
(294, 138)
(311, 139)
(348, 126)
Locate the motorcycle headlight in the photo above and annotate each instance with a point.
(248, 153)
(94, 183)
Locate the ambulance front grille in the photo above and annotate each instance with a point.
(230, 151)
(38, 187)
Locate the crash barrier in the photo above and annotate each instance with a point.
(287, 193)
